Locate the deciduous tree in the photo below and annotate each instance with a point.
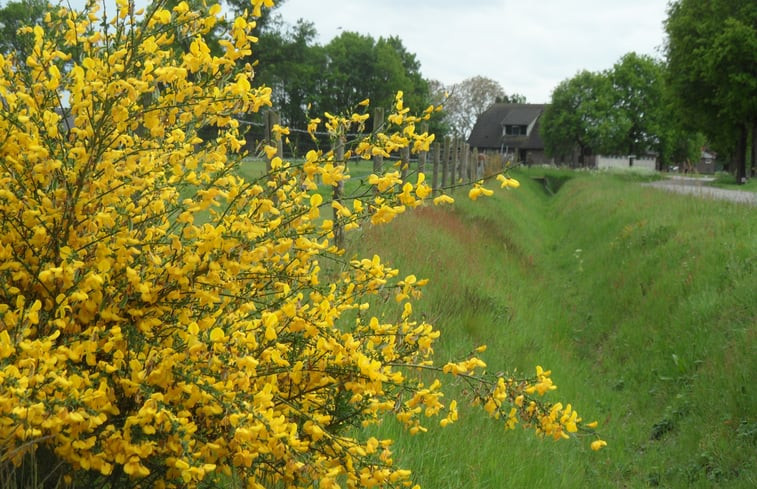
(469, 99)
(14, 15)
(712, 65)
(310, 79)
(638, 88)
(290, 62)
(359, 67)
(581, 118)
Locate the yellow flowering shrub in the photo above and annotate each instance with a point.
(165, 322)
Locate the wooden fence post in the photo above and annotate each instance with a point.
(475, 164)
(276, 119)
(466, 163)
(451, 165)
(378, 160)
(463, 161)
(267, 135)
(422, 154)
(270, 119)
(454, 162)
(435, 161)
(338, 190)
(404, 163)
(445, 161)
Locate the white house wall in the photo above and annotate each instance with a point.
(606, 162)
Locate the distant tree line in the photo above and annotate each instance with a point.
(625, 110)
(703, 93)
(309, 79)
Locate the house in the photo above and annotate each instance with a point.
(706, 163)
(511, 129)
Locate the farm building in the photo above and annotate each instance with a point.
(604, 162)
(511, 129)
(706, 163)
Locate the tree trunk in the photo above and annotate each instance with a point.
(754, 148)
(741, 156)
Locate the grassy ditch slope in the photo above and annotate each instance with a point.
(644, 305)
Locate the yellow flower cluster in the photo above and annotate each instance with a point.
(513, 400)
(507, 182)
(163, 319)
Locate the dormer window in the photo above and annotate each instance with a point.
(516, 130)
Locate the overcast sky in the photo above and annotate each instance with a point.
(528, 46)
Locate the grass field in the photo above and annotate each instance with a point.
(727, 180)
(643, 303)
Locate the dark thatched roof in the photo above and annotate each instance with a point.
(522, 115)
(488, 132)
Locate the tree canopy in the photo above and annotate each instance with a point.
(359, 66)
(14, 15)
(290, 62)
(313, 78)
(580, 117)
(625, 110)
(637, 85)
(464, 102)
(309, 78)
(469, 99)
(712, 70)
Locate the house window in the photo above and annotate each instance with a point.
(516, 130)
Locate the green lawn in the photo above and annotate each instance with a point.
(726, 180)
(359, 170)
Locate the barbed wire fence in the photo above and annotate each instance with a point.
(452, 158)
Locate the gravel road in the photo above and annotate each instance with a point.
(701, 187)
